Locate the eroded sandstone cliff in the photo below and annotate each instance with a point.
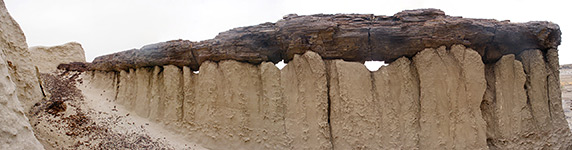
(19, 87)
(444, 98)
(451, 83)
(47, 59)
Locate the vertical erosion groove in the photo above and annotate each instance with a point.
(40, 82)
(554, 91)
(181, 94)
(536, 83)
(117, 76)
(417, 99)
(329, 110)
(487, 107)
(548, 102)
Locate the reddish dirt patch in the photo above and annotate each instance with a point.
(61, 113)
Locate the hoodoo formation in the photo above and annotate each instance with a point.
(450, 83)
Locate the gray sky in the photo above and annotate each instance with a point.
(107, 26)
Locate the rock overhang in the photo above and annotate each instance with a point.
(351, 37)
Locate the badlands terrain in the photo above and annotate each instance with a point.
(450, 83)
(90, 118)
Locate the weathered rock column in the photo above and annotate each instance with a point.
(452, 84)
(306, 101)
(354, 113)
(397, 96)
(143, 87)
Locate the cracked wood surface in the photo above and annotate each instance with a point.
(352, 37)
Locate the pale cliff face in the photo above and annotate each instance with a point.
(47, 59)
(19, 86)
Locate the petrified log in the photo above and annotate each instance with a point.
(352, 37)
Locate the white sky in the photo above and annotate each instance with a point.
(107, 26)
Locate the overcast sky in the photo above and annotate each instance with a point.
(107, 26)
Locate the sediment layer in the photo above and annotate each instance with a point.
(441, 98)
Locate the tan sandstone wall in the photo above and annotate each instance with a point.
(15, 130)
(16, 53)
(451, 87)
(47, 59)
(19, 87)
(444, 98)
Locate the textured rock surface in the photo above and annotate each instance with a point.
(142, 77)
(452, 84)
(189, 81)
(15, 130)
(173, 95)
(511, 101)
(536, 85)
(397, 99)
(16, 54)
(18, 86)
(505, 106)
(306, 101)
(356, 37)
(554, 91)
(442, 98)
(47, 59)
(273, 102)
(520, 104)
(354, 113)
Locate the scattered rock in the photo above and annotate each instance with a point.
(65, 122)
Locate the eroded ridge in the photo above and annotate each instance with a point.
(440, 98)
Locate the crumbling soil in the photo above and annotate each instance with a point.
(62, 121)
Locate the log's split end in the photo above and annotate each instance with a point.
(352, 37)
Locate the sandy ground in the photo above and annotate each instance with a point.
(100, 101)
(566, 84)
(77, 115)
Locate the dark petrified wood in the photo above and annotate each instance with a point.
(352, 37)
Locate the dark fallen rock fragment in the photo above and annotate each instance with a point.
(55, 107)
(74, 66)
